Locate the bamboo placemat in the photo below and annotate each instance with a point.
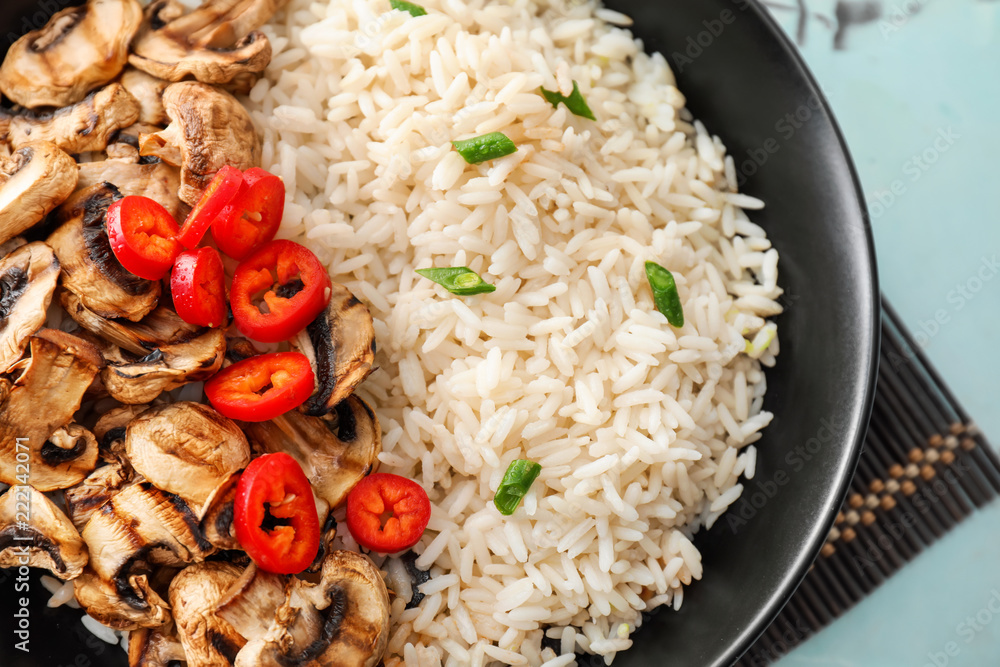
(925, 467)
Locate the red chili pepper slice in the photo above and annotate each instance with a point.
(143, 236)
(198, 287)
(262, 387)
(387, 513)
(277, 291)
(274, 514)
(252, 218)
(219, 193)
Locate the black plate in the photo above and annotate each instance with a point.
(744, 80)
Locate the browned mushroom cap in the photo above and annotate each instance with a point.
(209, 128)
(251, 601)
(33, 181)
(83, 499)
(79, 49)
(216, 516)
(155, 647)
(45, 398)
(186, 448)
(134, 175)
(128, 603)
(343, 620)
(148, 92)
(160, 327)
(135, 381)
(335, 452)
(90, 268)
(137, 528)
(340, 345)
(208, 640)
(213, 44)
(31, 522)
(28, 276)
(82, 127)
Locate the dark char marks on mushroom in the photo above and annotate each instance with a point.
(95, 238)
(417, 576)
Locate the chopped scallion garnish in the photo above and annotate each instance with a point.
(515, 484)
(665, 295)
(486, 147)
(575, 102)
(403, 5)
(459, 280)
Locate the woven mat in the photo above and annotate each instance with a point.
(924, 468)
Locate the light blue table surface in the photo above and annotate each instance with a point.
(917, 93)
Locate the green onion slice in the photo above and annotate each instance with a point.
(486, 147)
(459, 280)
(665, 295)
(403, 5)
(515, 484)
(575, 102)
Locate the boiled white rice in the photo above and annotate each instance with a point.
(642, 429)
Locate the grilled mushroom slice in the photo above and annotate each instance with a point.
(216, 516)
(82, 127)
(213, 44)
(90, 268)
(46, 396)
(335, 452)
(208, 640)
(343, 620)
(79, 49)
(139, 527)
(186, 448)
(126, 604)
(209, 128)
(166, 368)
(340, 344)
(160, 327)
(155, 647)
(30, 522)
(33, 181)
(83, 499)
(148, 92)
(132, 175)
(28, 277)
(251, 601)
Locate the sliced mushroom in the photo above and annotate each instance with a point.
(160, 327)
(28, 276)
(168, 367)
(33, 181)
(155, 647)
(34, 532)
(80, 128)
(148, 91)
(133, 175)
(46, 396)
(79, 49)
(251, 601)
(213, 44)
(343, 620)
(208, 640)
(85, 498)
(90, 268)
(340, 345)
(139, 527)
(209, 128)
(335, 452)
(186, 448)
(110, 426)
(128, 603)
(216, 516)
